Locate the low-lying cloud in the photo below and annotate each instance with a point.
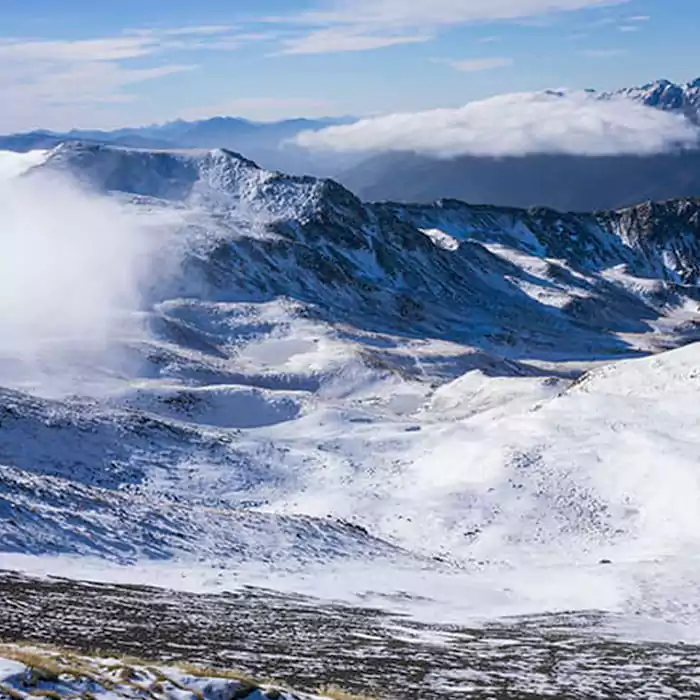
(515, 125)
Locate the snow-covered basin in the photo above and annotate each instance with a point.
(587, 500)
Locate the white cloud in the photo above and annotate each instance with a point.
(346, 39)
(72, 268)
(603, 53)
(515, 124)
(474, 65)
(399, 13)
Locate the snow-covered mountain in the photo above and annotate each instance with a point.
(663, 94)
(564, 182)
(309, 380)
(270, 235)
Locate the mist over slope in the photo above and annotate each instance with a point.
(306, 380)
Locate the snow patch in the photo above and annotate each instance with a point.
(441, 239)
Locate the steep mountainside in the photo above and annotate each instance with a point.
(270, 235)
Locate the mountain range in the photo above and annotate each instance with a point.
(563, 182)
(269, 143)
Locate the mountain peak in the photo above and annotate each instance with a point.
(666, 95)
(217, 179)
(163, 174)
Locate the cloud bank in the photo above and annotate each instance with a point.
(515, 125)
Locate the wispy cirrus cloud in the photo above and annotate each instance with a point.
(343, 39)
(361, 25)
(399, 13)
(51, 81)
(603, 53)
(475, 65)
(129, 44)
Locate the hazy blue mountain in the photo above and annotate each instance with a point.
(565, 182)
(265, 142)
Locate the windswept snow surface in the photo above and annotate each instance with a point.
(291, 388)
(41, 673)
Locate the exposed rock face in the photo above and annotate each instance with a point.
(663, 94)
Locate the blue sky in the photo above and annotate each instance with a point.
(86, 63)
